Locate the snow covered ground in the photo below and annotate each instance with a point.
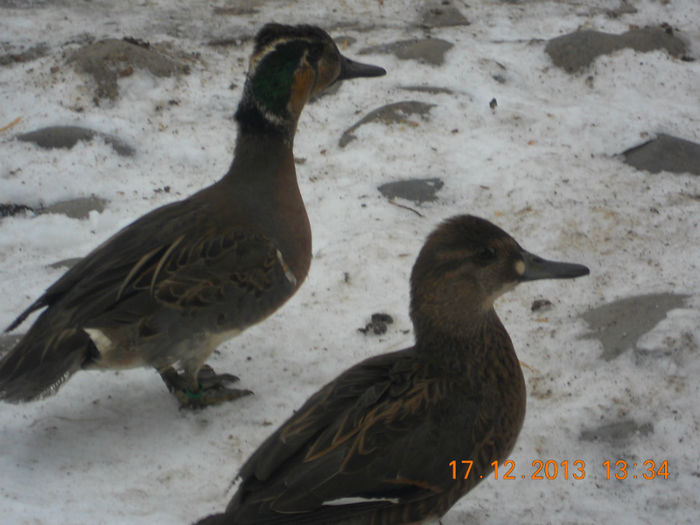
(544, 165)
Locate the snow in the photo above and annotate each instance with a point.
(112, 447)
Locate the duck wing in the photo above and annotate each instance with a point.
(365, 441)
(155, 263)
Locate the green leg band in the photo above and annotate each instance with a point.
(194, 395)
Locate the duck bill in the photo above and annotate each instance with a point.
(539, 268)
(351, 69)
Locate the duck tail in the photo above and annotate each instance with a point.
(41, 362)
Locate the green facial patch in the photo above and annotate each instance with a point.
(272, 79)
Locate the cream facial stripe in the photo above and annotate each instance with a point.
(520, 267)
(254, 59)
(253, 64)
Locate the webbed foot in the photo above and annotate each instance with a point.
(211, 388)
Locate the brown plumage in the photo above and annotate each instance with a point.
(171, 286)
(384, 432)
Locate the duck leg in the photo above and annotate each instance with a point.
(209, 388)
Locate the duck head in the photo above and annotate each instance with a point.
(465, 265)
(289, 65)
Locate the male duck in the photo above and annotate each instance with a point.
(374, 446)
(167, 289)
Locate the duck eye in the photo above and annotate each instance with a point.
(485, 255)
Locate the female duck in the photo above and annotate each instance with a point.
(373, 446)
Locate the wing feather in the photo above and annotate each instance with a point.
(156, 263)
(351, 439)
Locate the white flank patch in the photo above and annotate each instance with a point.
(103, 343)
(352, 501)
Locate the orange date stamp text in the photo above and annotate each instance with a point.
(565, 469)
